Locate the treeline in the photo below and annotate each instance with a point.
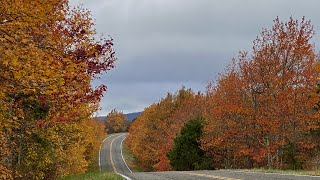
(49, 55)
(263, 111)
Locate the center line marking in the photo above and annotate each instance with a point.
(102, 144)
(112, 163)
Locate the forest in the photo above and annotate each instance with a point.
(261, 112)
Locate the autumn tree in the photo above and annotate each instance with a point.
(190, 106)
(138, 139)
(147, 132)
(282, 79)
(116, 122)
(274, 101)
(49, 56)
(227, 130)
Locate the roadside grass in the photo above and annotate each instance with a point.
(94, 175)
(294, 172)
(131, 161)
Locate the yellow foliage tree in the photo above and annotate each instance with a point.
(116, 122)
(49, 55)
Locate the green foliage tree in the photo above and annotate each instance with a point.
(186, 153)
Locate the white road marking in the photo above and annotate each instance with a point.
(101, 147)
(126, 177)
(113, 166)
(122, 156)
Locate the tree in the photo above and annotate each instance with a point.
(151, 135)
(50, 54)
(186, 153)
(227, 131)
(281, 78)
(264, 105)
(116, 122)
(190, 106)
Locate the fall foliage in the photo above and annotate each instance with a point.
(49, 55)
(152, 134)
(272, 104)
(116, 122)
(263, 111)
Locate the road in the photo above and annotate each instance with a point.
(111, 159)
(110, 155)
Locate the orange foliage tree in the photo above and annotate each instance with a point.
(152, 134)
(49, 55)
(271, 95)
(116, 122)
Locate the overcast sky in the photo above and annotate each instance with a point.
(164, 44)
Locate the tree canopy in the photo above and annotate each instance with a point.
(116, 122)
(49, 55)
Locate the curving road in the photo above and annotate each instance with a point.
(111, 159)
(110, 155)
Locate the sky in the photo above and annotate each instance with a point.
(162, 45)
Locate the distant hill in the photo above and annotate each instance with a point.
(130, 116)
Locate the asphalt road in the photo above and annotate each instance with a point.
(111, 159)
(217, 174)
(110, 156)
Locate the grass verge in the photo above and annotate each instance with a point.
(131, 161)
(94, 175)
(294, 172)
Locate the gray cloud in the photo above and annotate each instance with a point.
(162, 44)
